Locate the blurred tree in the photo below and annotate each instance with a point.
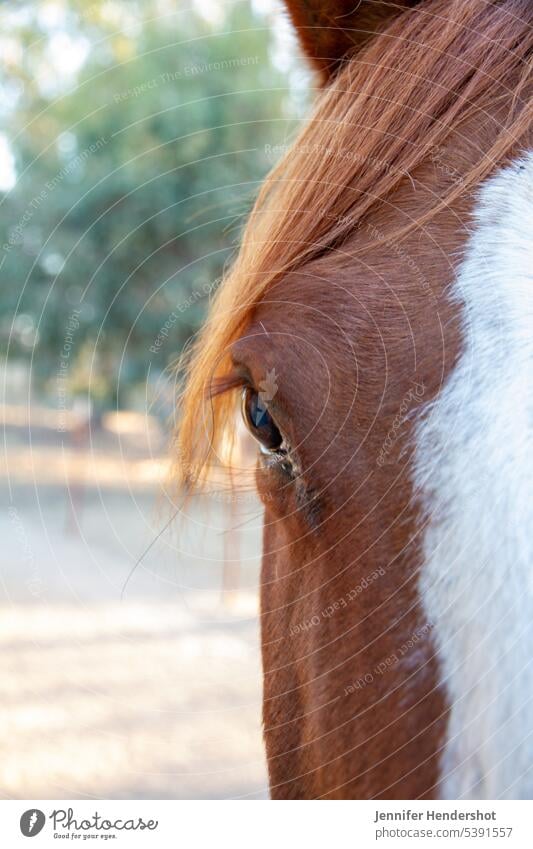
(140, 133)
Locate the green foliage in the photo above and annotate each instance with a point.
(133, 177)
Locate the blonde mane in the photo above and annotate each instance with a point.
(388, 109)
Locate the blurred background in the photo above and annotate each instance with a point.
(133, 139)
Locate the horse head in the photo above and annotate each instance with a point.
(377, 326)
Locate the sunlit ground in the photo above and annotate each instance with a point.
(153, 695)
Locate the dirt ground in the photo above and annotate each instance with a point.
(153, 694)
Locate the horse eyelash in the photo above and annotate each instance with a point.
(221, 385)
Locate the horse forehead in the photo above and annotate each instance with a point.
(323, 300)
(374, 312)
(312, 288)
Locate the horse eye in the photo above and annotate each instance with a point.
(259, 421)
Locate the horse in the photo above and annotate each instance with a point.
(375, 327)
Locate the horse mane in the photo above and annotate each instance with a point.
(389, 107)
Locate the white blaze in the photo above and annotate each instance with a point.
(474, 474)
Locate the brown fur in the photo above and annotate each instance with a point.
(342, 287)
(329, 33)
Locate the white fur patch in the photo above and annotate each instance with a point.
(474, 471)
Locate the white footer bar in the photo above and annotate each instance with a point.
(264, 825)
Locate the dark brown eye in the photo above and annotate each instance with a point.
(259, 421)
